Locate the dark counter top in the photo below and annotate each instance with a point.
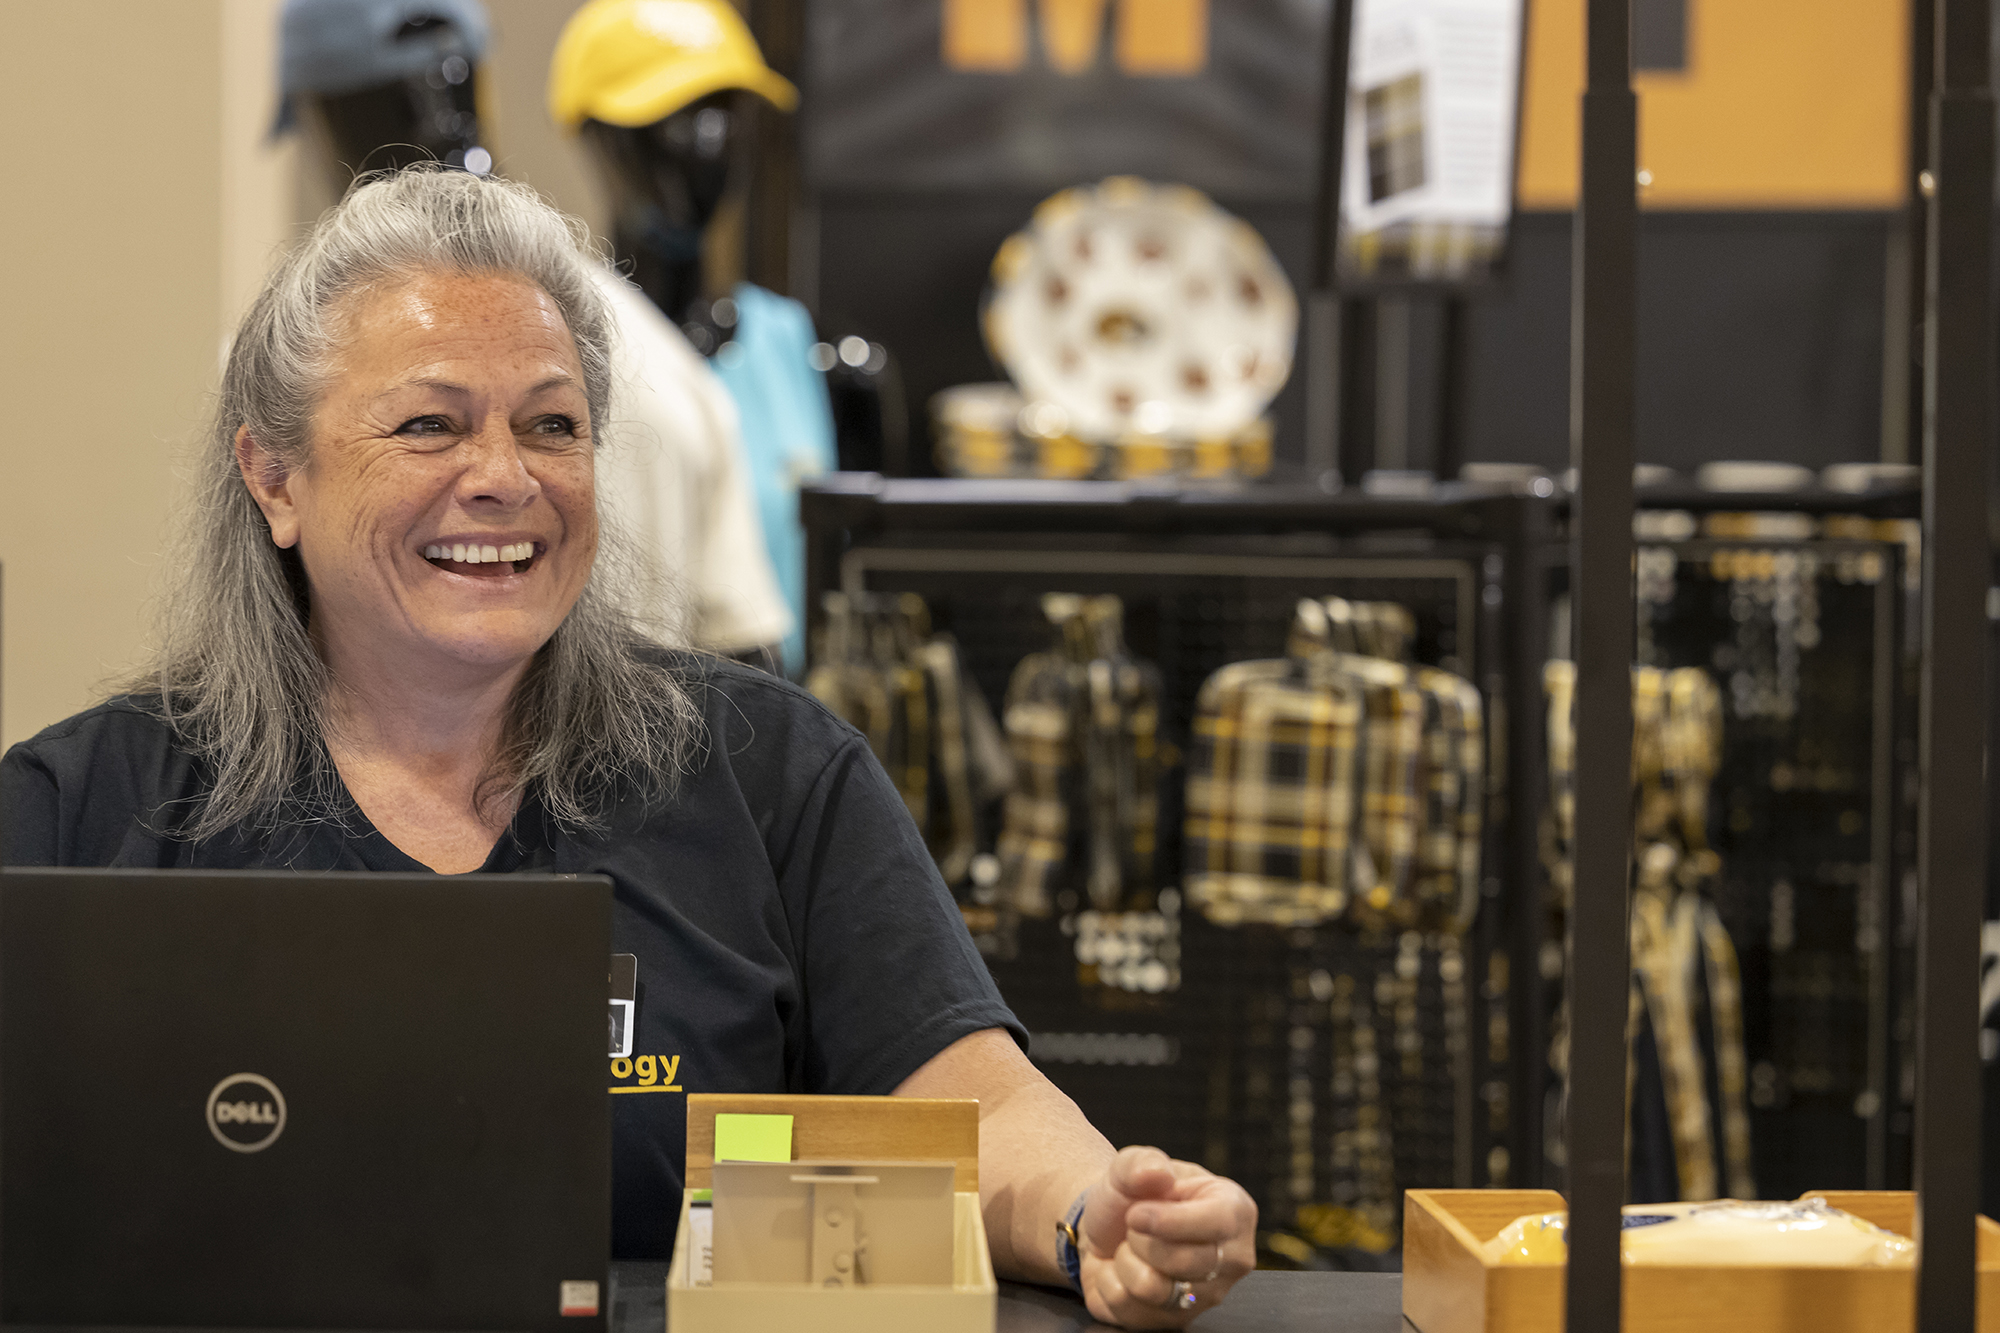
(1261, 1303)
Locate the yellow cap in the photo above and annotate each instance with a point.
(632, 62)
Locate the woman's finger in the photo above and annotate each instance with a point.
(1110, 1294)
(1145, 1282)
(1217, 1212)
(1194, 1261)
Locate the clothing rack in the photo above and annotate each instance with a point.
(1212, 576)
(1472, 557)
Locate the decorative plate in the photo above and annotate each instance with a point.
(1137, 309)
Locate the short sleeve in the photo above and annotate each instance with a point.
(891, 975)
(29, 806)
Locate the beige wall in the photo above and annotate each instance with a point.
(526, 146)
(110, 255)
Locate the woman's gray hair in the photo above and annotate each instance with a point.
(602, 713)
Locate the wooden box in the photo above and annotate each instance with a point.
(1449, 1287)
(845, 1129)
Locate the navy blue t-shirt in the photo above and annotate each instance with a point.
(791, 931)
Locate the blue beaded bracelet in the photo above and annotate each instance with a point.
(1069, 1253)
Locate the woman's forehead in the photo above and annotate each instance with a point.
(430, 315)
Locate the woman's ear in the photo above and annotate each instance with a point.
(270, 486)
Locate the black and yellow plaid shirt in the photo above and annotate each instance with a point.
(1332, 784)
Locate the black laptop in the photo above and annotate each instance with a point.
(311, 1101)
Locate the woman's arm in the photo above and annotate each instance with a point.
(1149, 1221)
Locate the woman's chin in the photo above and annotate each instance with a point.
(489, 646)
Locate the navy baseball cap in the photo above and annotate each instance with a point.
(343, 46)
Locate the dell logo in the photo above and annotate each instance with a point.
(246, 1113)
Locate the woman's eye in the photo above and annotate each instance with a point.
(556, 425)
(427, 425)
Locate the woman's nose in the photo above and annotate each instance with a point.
(496, 471)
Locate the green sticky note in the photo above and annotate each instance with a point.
(753, 1138)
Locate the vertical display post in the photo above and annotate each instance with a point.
(1951, 852)
(1324, 352)
(1603, 334)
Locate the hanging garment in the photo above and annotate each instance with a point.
(1685, 1036)
(1272, 787)
(878, 665)
(675, 475)
(1333, 783)
(1082, 720)
(787, 423)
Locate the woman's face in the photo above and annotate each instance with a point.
(446, 514)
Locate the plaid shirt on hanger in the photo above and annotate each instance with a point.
(1271, 794)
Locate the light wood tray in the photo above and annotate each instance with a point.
(846, 1128)
(1449, 1287)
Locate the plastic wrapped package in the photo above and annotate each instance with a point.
(1808, 1233)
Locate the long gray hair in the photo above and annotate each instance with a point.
(602, 707)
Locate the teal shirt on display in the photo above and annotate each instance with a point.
(787, 427)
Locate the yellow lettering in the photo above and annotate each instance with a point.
(648, 1071)
(621, 1068)
(985, 36)
(1152, 38)
(673, 1064)
(1162, 38)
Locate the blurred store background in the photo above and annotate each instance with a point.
(149, 194)
(1059, 679)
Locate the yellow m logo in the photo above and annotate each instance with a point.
(1150, 38)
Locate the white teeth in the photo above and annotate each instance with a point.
(477, 553)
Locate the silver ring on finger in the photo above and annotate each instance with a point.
(1216, 1271)
(1184, 1297)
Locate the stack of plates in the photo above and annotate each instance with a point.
(988, 430)
(1146, 330)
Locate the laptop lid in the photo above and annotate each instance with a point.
(260, 1100)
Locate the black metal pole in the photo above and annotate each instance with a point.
(1518, 728)
(1914, 226)
(1455, 366)
(1951, 852)
(1325, 384)
(1603, 334)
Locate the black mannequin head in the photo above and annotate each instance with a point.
(432, 117)
(666, 181)
(381, 84)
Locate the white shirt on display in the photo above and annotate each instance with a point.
(672, 475)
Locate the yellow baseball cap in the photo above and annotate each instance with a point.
(632, 62)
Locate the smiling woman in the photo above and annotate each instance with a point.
(397, 644)
(424, 369)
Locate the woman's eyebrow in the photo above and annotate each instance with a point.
(559, 380)
(425, 382)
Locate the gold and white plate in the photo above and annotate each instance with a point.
(1136, 309)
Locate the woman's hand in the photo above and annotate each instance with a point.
(1150, 1223)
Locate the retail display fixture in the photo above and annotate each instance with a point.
(1210, 576)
